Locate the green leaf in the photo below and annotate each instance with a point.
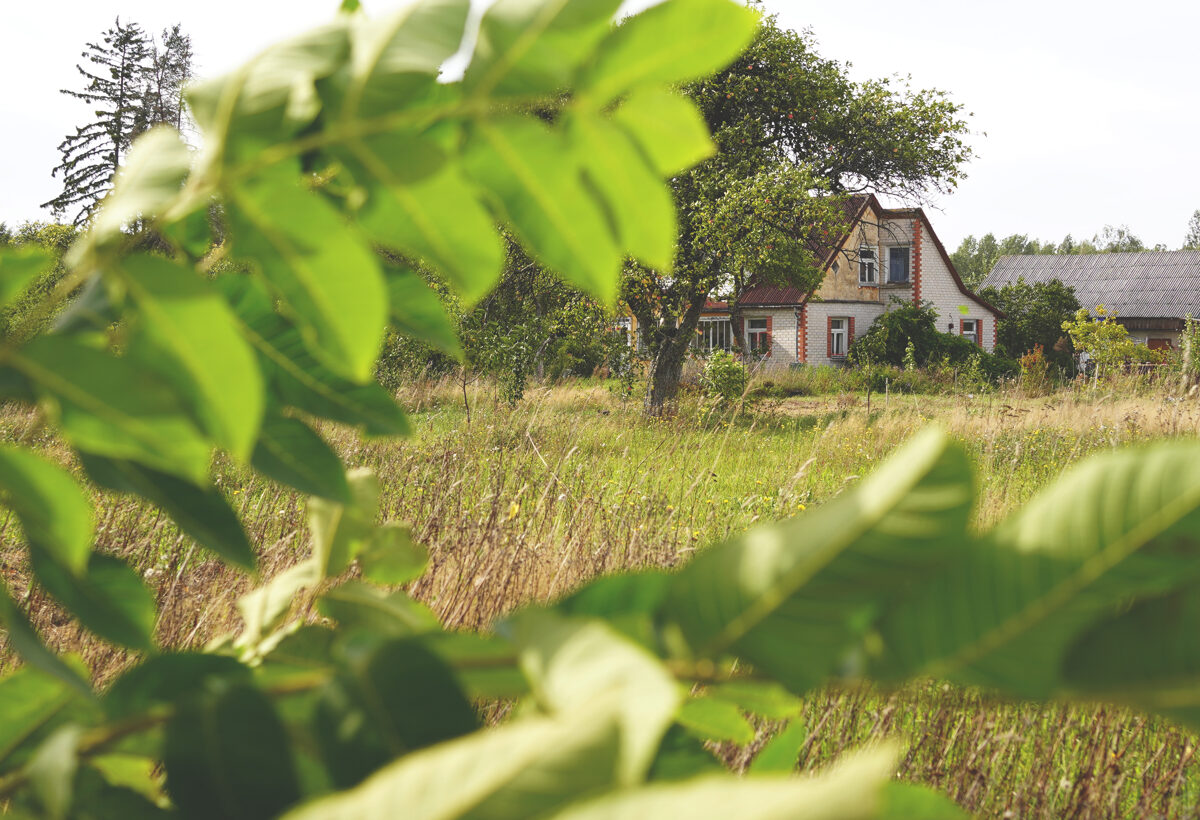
(150, 177)
(1116, 527)
(340, 531)
(290, 452)
(674, 42)
(55, 514)
(905, 800)
(329, 281)
(668, 127)
(524, 769)
(110, 599)
(226, 754)
(355, 605)
(486, 666)
(391, 557)
(166, 679)
(682, 756)
(109, 406)
(528, 47)
(764, 698)
(200, 511)
(417, 312)
(297, 379)
(19, 267)
(25, 642)
(640, 204)
(436, 218)
(716, 720)
(197, 335)
(793, 598)
(29, 699)
(133, 772)
(396, 56)
(852, 789)
(572, 661)
(390, 699)
(536, 180)
(52, 771)
(263, 609)
(782, 752)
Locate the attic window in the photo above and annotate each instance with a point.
(866, 266)
(835, 267)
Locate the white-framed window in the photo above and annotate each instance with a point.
(713, 333)
(970, 329)
(898, 266)
(838, 331)
(758, 336)
(866, 266)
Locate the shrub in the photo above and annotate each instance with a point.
(724, 377)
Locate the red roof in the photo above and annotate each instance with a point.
(714, 305)
(772, 295)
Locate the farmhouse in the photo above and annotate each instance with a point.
(1152, 292)
(884, 255)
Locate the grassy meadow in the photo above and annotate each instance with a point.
(527, 503)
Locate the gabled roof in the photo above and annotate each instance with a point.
(1147, 284)
(772, 296)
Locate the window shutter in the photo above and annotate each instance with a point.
(979, 332)
(849, 333)
(829, 336)
(961, 329)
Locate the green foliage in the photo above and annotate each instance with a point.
(1034, 315)
(1105, 340)
(724, 377)
(369, 711)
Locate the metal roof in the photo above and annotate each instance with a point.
(1144, 285)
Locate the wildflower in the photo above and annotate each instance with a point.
(513, 509)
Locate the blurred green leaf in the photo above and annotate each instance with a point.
(150, 177)
(297, 379)
(793, 598)
(243, 767)
(55, 514)
(537, 182)
(571, 662)
(527, 768)
(852, 789)
(355, 605)
(200, 511)
(51, 771)
(1115, 527)
(673, 42)
(486, 666)
(167, 678)
(110, 406)
(716, 720)
(681, 756)
(340, 531)
(639, 203)
(529, 47)
(25, 642)
(19, 267)
(764, 698)
(369, 707)
(29, 699)
(905, 800)
(264, 608)
(668, 127)
(290, 452)
(109, 599)
(391, 557)
(329, 281)
(417, 312)
(782, 752)
(191, 331)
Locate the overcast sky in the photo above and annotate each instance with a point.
(1084, 114)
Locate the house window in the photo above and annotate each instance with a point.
(970, 329)
(836, 267)
(898, 265)
(1160, 344)
(837, 337)
(866, 266)
(713, 333)
(757, 335)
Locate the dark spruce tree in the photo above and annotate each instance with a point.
(131, 83)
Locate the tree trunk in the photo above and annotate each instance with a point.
(667, 367)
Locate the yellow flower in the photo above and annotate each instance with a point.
(513, 509)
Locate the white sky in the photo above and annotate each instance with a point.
(1090, 111)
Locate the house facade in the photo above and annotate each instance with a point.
(1151, 292)
(885, 255)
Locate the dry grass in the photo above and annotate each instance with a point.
(527, 504)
